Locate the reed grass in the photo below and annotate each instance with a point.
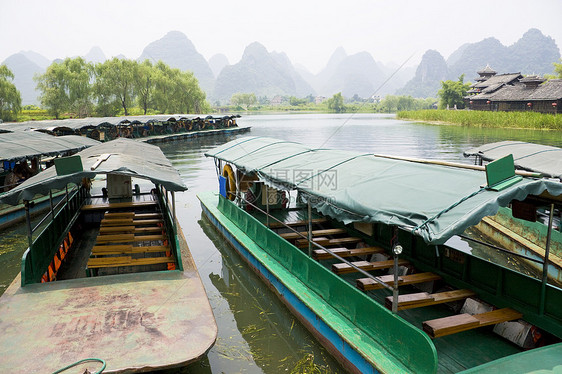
(476, 118)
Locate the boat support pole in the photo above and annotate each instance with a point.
(28, 219)
(545, 263)
(174, 205)
(396, 251)
(309, 227)
(266, 204)
(51, 202)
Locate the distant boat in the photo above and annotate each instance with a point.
(109, 277)
(354, 245)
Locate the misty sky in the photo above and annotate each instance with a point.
(307, 30)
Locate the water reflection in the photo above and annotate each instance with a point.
(274, 338)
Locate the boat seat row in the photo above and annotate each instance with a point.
(129, 229)
(130, 204)
(133, 215)
(320, 254)
(327, 242)
(130, 221)
(315, 221)
(297, 235)
(463, 322)
(101, 262)
(421, 299)
(101, 250)
(133, 234)
(344, 268)
(368, 284)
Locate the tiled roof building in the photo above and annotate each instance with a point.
(513, 92)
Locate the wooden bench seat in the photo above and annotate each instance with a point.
(102, 250)
(367, 284)
(128, 238)
(417, 300)
(315, 221)
(326, 242)
(128, 229)
(133, 215)
(115, 215)
(130, 221)
(327, 232)
(320, 254)
(344, 268)
(130, 204)
(104, 262)
(116, 229)
(116, 222)
(463, 322)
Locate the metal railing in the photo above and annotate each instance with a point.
(370, 276)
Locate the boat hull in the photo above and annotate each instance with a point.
(334, 336)
(135, 322)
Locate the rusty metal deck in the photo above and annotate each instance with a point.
(135, 322)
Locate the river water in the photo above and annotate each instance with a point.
(257, 334)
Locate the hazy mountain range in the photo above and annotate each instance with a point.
(269, 74)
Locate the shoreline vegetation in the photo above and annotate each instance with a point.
(476, 118)
(470, 118)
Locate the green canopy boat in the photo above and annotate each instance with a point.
(107, 277)
(365, 251)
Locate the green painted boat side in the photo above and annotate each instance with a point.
(135, 322)
(541, 360)
(387, 341)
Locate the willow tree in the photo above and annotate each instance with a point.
(65, 86)
(452, 93)
(10, 98)
(144, 76)
(177, 91)
(117, 77)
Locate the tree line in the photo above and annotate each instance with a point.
(104, 89)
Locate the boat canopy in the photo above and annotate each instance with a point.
(19, 145)
(433, 201)
(126, 157)
(543, 159)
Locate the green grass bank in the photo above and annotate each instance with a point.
(518, 120)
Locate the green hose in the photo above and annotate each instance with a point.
(81, 361)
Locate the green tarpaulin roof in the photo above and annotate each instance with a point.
(540, 158)
(127, 157)
(18, 145)
(436, 202)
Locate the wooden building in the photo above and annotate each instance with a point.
(513, 92)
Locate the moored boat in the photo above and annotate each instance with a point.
(107, 276)
(361, 249)
(525, 237)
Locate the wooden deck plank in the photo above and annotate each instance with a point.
(127, 238)
(315, 221)
(320, 254)
(109, 206)
(101, 250)
(117, 222)
(326, 242)
(344, 268)
(463, 322)
(140, 222)
(133, 215)
(418, 300)
(100, 262)
(116, 229)
(327, 232)
(104, 230)
(114, 215)
(367, 284)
